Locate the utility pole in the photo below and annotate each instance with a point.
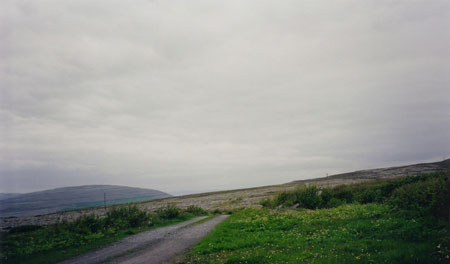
(104, 200)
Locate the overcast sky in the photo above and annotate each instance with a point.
(190, 96)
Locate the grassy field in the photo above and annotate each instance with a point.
(404, 220)
(352, 233)
(50, 244)
(391, 221)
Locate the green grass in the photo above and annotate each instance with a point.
(351, 233)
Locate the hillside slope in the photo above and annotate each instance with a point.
(389, 173)
(241, 198)
(77, 197)
(4, 196)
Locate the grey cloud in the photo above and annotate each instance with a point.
(207, 95)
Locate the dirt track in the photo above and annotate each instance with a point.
(159, 245)
(173, 246)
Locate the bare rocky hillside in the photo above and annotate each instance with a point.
(250, 197)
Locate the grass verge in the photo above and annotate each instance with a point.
(351, 233)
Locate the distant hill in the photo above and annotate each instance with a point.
(387, 173)
(4, 196)
(69, 198)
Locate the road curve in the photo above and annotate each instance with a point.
(173, 246)
(128, 244)
(159, 245)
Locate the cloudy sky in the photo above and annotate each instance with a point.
(191, 96)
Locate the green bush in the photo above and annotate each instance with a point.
(217, 211)
(428, 193)
(24, 228)
(286, 198)
(326, 196)
(343, 193)
(268, 203)
(169, 212)
(369, 195)
(126, 217)
(309, 197)
(333, 202)
(424, 197)
(196, 210)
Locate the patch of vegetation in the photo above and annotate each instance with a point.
(49, 244)
(217, 211)
(426, 194)
(169, 212)
(196, 210)
(351, 233)
(23, 229)
(391, 221)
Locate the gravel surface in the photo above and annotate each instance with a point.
(131, 243)
(174, 246)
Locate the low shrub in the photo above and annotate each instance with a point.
(269, 203)
(333, 202)
(171, 211)
(344, 193)
(424, 197)
(309, 197)
(286, 198)
(126, 217)
(217, 211)
(23, 229)
(425, 194)
(369, 195)
(196, 210)
(85, 225)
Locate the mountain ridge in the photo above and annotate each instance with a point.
(74, 197)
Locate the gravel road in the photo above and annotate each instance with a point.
(159, 245)
(174, 246)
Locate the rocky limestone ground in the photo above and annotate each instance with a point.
(227, 200)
